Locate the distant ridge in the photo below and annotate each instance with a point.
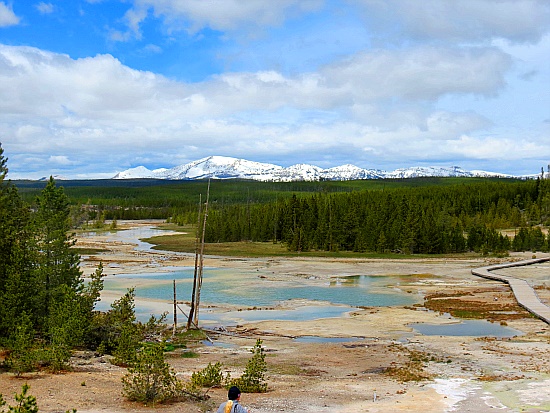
(223, 167)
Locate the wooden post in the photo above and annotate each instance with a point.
(175, 312)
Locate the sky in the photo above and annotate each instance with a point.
(89, 88)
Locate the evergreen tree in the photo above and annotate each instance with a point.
(16, 261)
(22, 357)
(121, 334)
(67, 325)
(150, 378)
(253, 377)
(44, 308)
(58, 262)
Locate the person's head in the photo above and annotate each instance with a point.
(233, 393)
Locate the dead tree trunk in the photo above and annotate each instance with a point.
(201, 260)
(195, 274)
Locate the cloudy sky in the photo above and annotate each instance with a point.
(92, 87)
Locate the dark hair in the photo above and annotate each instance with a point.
(233, 393)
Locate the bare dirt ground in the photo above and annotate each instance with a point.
(368, 373)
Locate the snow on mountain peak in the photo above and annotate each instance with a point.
(223, 167)
(139, 172)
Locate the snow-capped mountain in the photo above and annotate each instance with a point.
(222, 167)
(139, 172)
(420, 171)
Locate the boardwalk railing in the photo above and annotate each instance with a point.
(524, 293)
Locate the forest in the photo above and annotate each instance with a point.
(467, 216)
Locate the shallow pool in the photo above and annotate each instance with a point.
(222, 286)
(476, 328)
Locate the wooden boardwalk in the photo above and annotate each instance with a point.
(524, 293)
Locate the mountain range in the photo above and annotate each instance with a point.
(222, 167)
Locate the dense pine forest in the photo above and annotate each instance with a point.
(468, 216)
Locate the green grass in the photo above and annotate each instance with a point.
(190, 335)
(186, 242)
(189, 355)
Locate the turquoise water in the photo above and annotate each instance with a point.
(299, 313)
(221, 286)
(475, 328)
(247, 290)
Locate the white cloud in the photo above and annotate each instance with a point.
(45, 8)
(48, 84)
(7, 16)
(420, 73)
(224, 15)
(151, 49)
(377, 77)
(464, 20)
(119, 36)
(503, 148)
(134, 17)
(377, 107)
(61, 160)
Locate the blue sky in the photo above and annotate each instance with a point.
(93, 87)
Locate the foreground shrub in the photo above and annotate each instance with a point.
(150, 378)
(210, 376)
(253, 378)
(22, 358)
(118, 332)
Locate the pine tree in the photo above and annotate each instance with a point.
(150, 378)
(22, 357)
(123, 336)
(58, 263)
(253, 377)
(16, 262)
(44, 308)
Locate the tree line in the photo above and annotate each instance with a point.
(427, 220)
